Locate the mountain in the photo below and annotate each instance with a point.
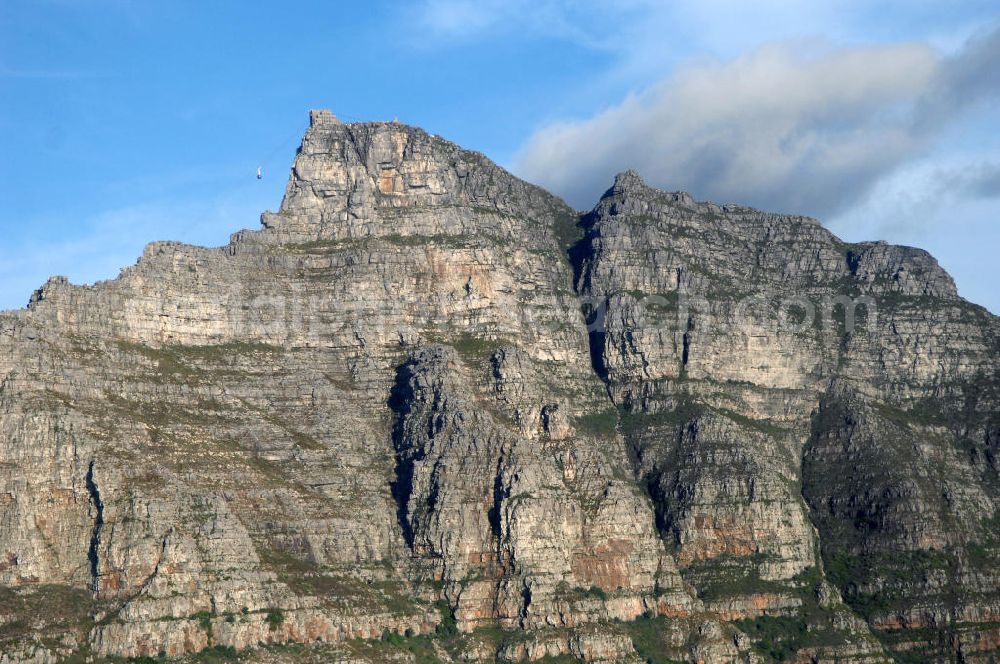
(428, 412)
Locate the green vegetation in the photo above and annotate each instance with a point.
(204, 619)
(215, 654)
(210, 655)
(991, 527)
(887, 574)
(473, 347)
(568, 230)
(644, 431)
(636, 423)
(595, 592)
(451, 241)
(760, 425)
(448, 626)
(728, 576)
(648, 639)
(163, 419)
(166, 363)
(192, 365)
(602, 424)
(420, 648)
(919, 416)
(218, 353)
(308, 578)
(274, 619)
(776, 637)
(44, 609)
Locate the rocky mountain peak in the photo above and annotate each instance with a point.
(900, 269)
(629, 180)
(351, 180)
(630, 188)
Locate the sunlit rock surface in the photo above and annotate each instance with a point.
(430, 413)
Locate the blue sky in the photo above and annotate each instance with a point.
(125, 122)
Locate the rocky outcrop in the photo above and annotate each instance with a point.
(759, 360)
(429, 411)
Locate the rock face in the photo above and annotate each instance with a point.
(430, 412)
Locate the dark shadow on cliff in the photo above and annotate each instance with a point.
(580, 253)
(95, 535)
(400, 398)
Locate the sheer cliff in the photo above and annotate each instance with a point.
(428, 412)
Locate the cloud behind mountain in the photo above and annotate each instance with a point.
(795, 126)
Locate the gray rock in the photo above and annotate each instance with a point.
(387, 411)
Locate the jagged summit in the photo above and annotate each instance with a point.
(354, 181)
(629, 182)
(629, 179)
(739, 248)
(351, 180)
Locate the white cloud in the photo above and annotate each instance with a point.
(792, 127)
(645, 37)
(742, 130)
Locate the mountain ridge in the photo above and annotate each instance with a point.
(429, 410)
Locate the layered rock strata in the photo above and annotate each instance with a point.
(430, 412)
